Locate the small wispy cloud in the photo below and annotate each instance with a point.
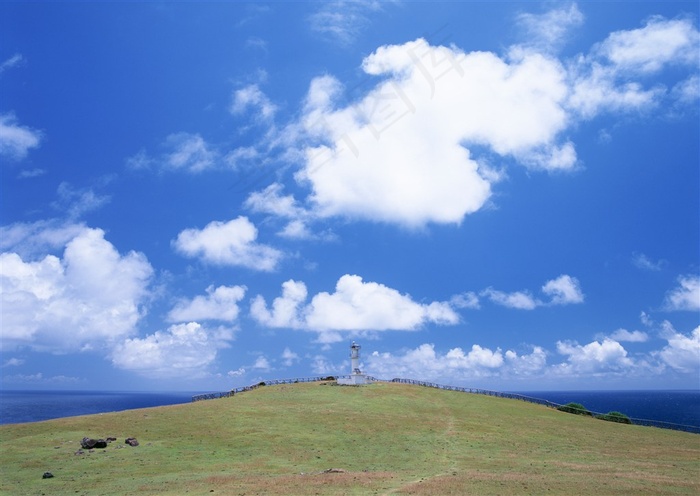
(14, 61)
(564, 290)
(548, 31)
(343, 20)
(641, 261)
(16, 140)
(251, 97)
(184, 151)
(629, 336)
(31, 173)
(13, 362)
(256, 43)
(76, 202)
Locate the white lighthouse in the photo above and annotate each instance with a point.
(356, 376)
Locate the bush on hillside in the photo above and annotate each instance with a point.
(615, 417)
(575, 408)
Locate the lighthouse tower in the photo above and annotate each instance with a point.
(355, 357)
(356, 376)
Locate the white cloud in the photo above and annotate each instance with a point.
(13, 362)
(687, 91)
(358, 305)
(39, 378)
(563, 290)
(30, 240)
(455, 366)
(183, 350)
(236, 373)
(189, 152)
(410, 135)
(641, 261)
(682, 352)
(91, 297)
(256, 43)
(593, 358)
(477, 357)
(521, 300)
(271, 201)
(686, 296)
(13, 61)
(289, 357)
(16, 140)
(343, 20)
(77, 202)
(31, 173)
(596, 90)
(220, 304)
(660, 42)
(228, 243)
(406, 138)
(354, 306)
(549, 30)
(465, 300)
(262, 363)
(604, 80)
(526, 365)
(629, 336)
(297, 229)
(140, 161)
(251, 97)
(603, 358)
(285, 309)
(321, 366)
(646, 319)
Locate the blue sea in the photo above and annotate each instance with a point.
(32, 406)
(677, 407)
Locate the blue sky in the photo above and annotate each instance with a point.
(198, 196)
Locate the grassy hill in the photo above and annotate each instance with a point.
(385, 439)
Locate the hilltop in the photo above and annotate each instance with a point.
(380, 439)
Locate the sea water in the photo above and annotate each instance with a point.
(676, 407)
(32, 406)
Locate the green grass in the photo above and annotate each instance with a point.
(388, 439)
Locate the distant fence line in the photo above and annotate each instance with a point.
(513, 396)
(273, 382)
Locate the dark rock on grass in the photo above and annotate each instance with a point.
(89, 443)
(131, 441)
(47, 475)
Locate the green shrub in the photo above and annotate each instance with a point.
(575, 408)
(615, 417)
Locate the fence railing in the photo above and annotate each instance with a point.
(487, 392)
(273, 382)
(513, 396)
